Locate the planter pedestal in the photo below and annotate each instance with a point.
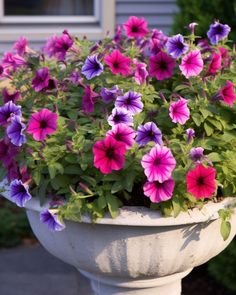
(169, 285)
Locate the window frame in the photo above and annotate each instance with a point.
(38, 28)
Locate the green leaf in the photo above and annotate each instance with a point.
(209, 130)
(225, 229)
(198, 119)
(113, 205)
(214, 157)
(101, 201)
(117, 186)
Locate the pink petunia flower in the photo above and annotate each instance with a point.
(215, 64)
(192, 64)
(21, 46)
(123, 133)
(42, 124)
(109, 154)
(179, 111)
(201, 181)
(136, 27)
(118, 63)
(158, 164)
(158, 192)
(161, 66)
(141, 73)
(227, 93)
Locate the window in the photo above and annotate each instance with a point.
(38, 19)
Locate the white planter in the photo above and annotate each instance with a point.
(139, 252)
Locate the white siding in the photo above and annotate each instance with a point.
(158, 13)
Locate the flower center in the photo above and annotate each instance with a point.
(200, 181)
(116, 65)
(179, 45)
(157, 161)
(110, 153)
(43, 124)
(134, 29)
(162, 65)
(219, 30)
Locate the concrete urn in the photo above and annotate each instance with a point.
(138, 253)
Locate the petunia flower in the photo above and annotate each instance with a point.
(109, 154)
(159, 192)
(191, 64)
(12, 61)
(120, 115)
(179, 111)
(7, 96)
(42, 123)
(130, 101)
(88, 100)
(15, 131)
(19, 192)
(175, 46)
(227, 93)
(51, 219)
(196, 154)
(218, 32)
(13, 171)
(7, 111)
(92, 67)
(136, 27)
(123, 133)
(148, 132)
(190, 134)
(7, 152)
(201, 181)
(118, 63)
(140, 73)
(215, 63)
(21, 46)
(109, 95)
(158, 164)
(41, 79)
(161, 66)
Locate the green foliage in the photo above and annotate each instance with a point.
(223, 267)
(204, 12)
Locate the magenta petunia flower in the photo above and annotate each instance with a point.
(7, 152)
(179, 111)
(109, 95)
(215, 63)
(92, 67)
(159, 192)
(158, 164)
(191, 64)
(21, 46)
(161, 66)
(201, 182)
(8, 111)
(136, 27)
(42, 124)
(12, 61)
(13, 171)
(148, 132)
(109, 154)
(175, 46)
(218, 32)
(120, 115)
(130, 101)
(7, 96)
(19, 192)
(15, 131)
(118, 63)
(123, 133)
(141, 73)
(50, 218)
(41, 79)
(88, 100)
(227, 93)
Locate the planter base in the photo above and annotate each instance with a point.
(169, 285)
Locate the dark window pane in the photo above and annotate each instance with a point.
(48, 7)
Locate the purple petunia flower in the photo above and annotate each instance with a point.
(15, 131)
(88, 100)
(7, 152)
(92, 67)
(19, 192)
(190, 134)
(10, 96)
(109, 95)
(175, 46)
(7, 111)
(196, 154)
(75, 77)
(12, 62)
(120, 115)
(148, 132)
(130, 101)
(41, 79)
(218, 32)
(50, 218)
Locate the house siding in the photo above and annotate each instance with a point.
(158, 13)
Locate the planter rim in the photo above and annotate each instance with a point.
(142, 216)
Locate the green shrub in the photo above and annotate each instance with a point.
(223, 267)
(13, 225)
(203, 12)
